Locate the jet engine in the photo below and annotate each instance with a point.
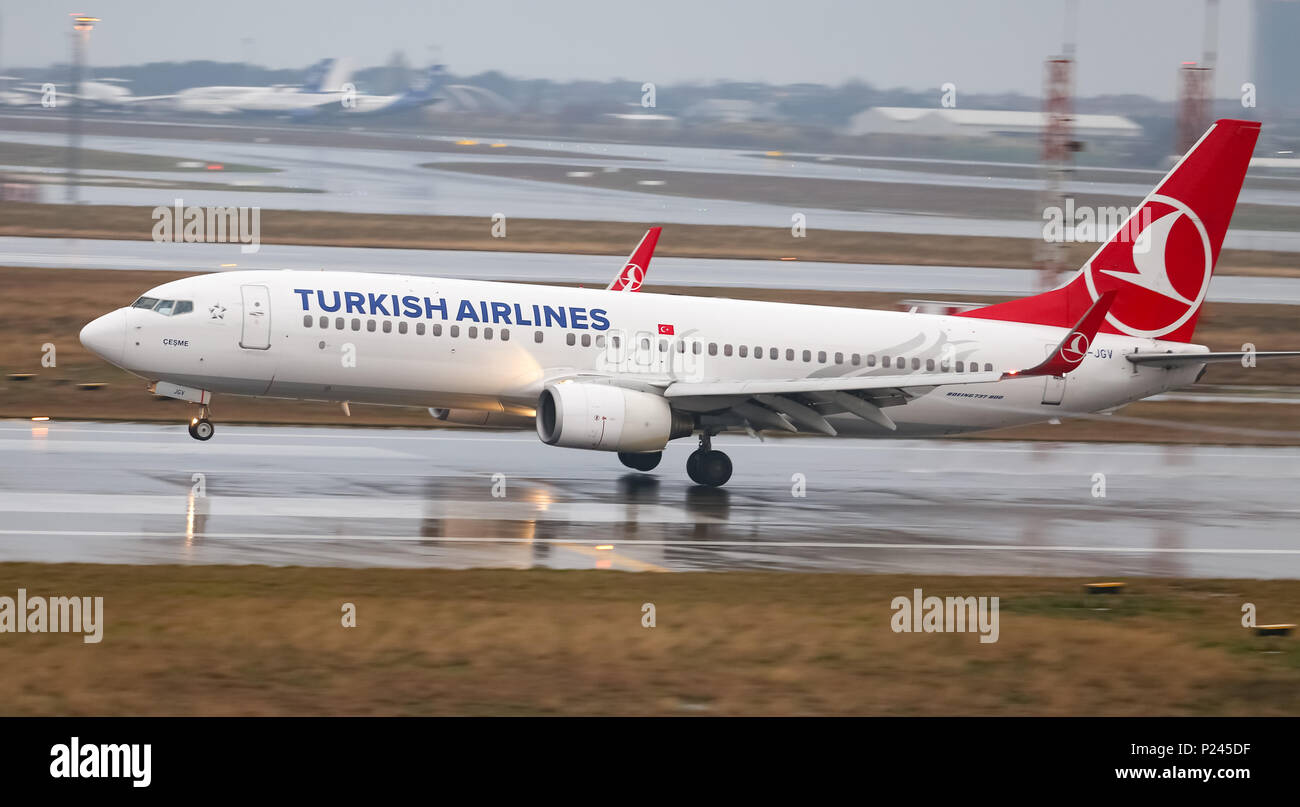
(601, 417)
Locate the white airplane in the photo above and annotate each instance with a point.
(105, 92)
(324, 84)
(626, 373)
(425, 91)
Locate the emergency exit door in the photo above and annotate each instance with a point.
(257, 318)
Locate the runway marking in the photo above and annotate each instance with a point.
(63, 445)
(1131, 550)
(1048, 449)
(411, 508)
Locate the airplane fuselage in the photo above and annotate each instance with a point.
(447, 343)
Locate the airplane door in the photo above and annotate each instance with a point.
(1053, 385)
(257, 318)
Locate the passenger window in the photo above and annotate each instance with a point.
(871, 360)
(900, 363)
(697, 347)
(184, 307)
(324, 322)
(929, 364)
(419, 329)
(713, 348)
(505, 334)
(772, 353)
(726, 350)
(988, 368)
(401, 327)
(744, 351)
(586, 340)
(165, 307)
(569, 339)
(645, 345)
(807, 355)
(884, 362)
(145, 302)
(370, 326)
(453, 331)
(473, 332)
(839, 358)
(487, 333)
(821, 357)
(857, 360)
(789, 354)
(916, 364)
(758, 352)
(681, 346)
(388, 326)
(663, 345)
(436, 330)
(356, 324)
(338, 323)
(537, 337)
(306, 321)
(600, 340)
(961, 366)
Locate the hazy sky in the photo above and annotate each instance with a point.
(1122, 45)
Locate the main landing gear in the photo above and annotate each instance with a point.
(200, 427)
(706, 466)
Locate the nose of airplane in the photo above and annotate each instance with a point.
(106, 336)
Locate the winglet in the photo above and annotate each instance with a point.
(637, 265)
(1073, 348)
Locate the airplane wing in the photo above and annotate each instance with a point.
(1171, 360)
(637, 264)
(804, 402)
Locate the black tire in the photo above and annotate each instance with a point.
(202, 430)
(642, 461)
(713, 469)
(693, 467)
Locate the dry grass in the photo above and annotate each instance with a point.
(325, 228)
(261, 641)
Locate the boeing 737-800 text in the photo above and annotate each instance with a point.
(600, 370)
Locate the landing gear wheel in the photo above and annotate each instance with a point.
(642, 461)
(711, 468)
(202, 429)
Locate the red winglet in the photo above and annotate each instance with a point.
(1073, 348)
(638, 263)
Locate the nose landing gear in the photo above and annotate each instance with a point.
(708, 467)
(200, 427)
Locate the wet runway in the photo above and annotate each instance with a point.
(143, 493)
(598, 270)
(388, 181)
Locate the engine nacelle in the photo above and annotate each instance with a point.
(601, 417)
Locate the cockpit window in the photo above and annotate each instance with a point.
(168, 308)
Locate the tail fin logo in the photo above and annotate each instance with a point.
(1164, 271)
(1075, 348)
(632, 278)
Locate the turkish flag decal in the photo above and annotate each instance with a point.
(665, 330)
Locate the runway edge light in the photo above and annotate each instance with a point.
(1103, 588)
(1274, 630)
